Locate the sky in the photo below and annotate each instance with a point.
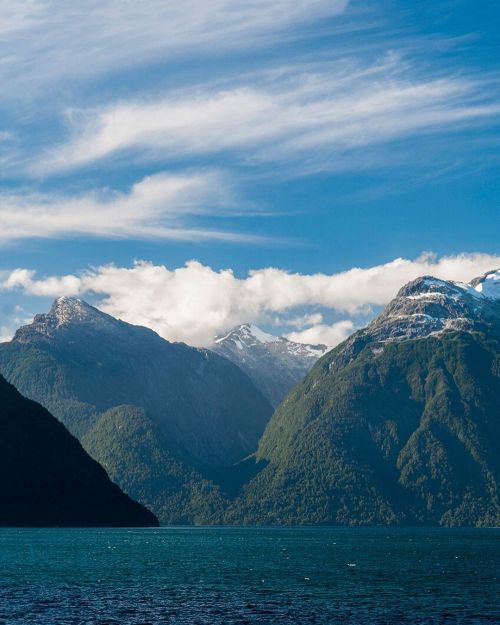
(191, 166)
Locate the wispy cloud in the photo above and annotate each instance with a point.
(19, 15)
(158, 207)
(42, 41)
(193, 303)
(302, 113)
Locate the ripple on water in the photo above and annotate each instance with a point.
(214, 576)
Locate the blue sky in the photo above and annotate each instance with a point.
(310, 137)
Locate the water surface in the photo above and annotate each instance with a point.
(215, 576)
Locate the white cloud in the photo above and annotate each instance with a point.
(18, 15)
(323, 334)
(25, 279)
(43, 41)
(9, 325)
(194, 303)
(316, 111)
(158, 207)
(302, 321)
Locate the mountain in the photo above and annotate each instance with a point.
(274, 364)
(137, 455)
(199, 408)
(399, 424)
(48, 479)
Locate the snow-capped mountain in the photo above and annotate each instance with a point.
(274, 363)
(66, 314)
(79, 362)
(399, 424)
(429, 306)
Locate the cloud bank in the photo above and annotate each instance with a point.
(193, 303)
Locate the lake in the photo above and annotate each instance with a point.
(216, 576)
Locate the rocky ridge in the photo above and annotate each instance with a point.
(427, 307)
(274, 363)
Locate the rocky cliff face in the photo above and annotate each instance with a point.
(66, 313)
(428, 306)
(274, 363)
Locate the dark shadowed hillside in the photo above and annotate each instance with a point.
(48, 479)
(137, 455)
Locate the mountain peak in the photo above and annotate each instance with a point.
(425, 285)
(247, 334)
(485, 286)
(429, 306)
(274, 363)
(65, 313)
(68, 309)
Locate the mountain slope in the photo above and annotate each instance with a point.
(399, 424)
(137, 456)
(274, 364)
(80, 362)
(200, 408)
(48, 479)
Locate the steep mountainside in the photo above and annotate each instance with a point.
(274, 363)
(399, 424)
(137, 455)
(48, 479)
(81, 363)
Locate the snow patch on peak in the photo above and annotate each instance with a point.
(248, 333)
(426, 295)
(262, 336)
(304, 349)
(488, 285)
(430, 281)
(70, 303)
(69, 309)
(428, 287)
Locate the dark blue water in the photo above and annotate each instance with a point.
(218, 576)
